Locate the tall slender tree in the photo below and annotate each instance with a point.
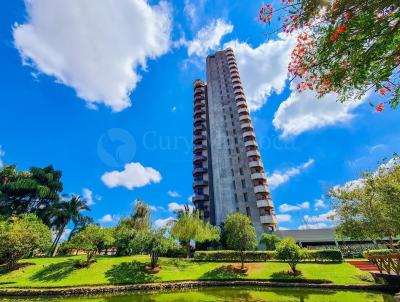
(65, 212)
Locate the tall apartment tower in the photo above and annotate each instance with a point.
(228, 171)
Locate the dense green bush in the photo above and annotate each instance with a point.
(324, 255)
(381, 252)
(233, 256)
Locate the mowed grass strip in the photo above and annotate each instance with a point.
(61, 272)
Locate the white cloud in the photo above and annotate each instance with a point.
(95, 47)
(2, 153)
(284, 208)
(174, 194)
(88, 196)
(319, 203)
(162, 223)
(133, 176)
(325, 217)
(263, 69)
(278, 178)
(190, 198)
(194, 10)
(156, 208)
(302, 112)
(209, 38)
(313, 226)
(176, 207)
(284, 217)
(108, 219)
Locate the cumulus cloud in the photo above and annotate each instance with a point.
(133, 176)
(302, 112)
(313, 226)
(108, 219)
(278, 178)
(2, 153)
(95, 47)
(174, 194)
(162, 223)
(284, 217)
(176, 207)
(88, 196)
(325, 217)
(209, 38)
(319, 203)
(263, 69)
(284, 208)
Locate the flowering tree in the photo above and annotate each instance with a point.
(349, 47)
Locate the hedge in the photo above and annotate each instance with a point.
(261, 256)
(233, 256)
(382, 252)
(324, 255)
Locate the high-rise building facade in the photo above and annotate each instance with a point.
(228, 171)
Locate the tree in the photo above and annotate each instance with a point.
(22, 236)
(240, 234)
(345, 46)
(34, 191)
(270, 241)
(129, 230)
(92, 240)
(65, 212)
(370, 207)
(189, 226)
(79, 224)
(287, 250)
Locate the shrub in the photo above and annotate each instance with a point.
(382, 252)
(290, 252)
(233, 256)
(324, 255)
(270, 241)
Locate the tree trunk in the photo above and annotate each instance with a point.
(154, 259)
(57, 239)
(188, 250)
(242, 259)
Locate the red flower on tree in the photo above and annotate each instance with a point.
(379, 108)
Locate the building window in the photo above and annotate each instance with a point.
(231, 115)
(237, 150)
(234, 131)
(241, 171)
(229, 151)
(233, 173)
(234, 185)
(243, 183)
(236, 140)
(248, 211)
(245, 196)
(236, 198)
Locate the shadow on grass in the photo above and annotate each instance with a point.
(224, 272)
(55, 271)
(178, 263)
(129, 273)
(5, 270)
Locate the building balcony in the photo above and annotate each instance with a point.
(199, 110)
(268, 219)
(246, 125)
(200, 183)
(199, 119)
(199, 90)
(249, 134)
(261, 189)
(199, 198)
(243, 110)
(233, 69)
(199, 101)
(245, 118)
(237, 85)
(259, 175)
(198, 171)
(241, 103)
(199, 147)
(253, 153)
(199, 128)
(264, 203)
(231, 60)
(229, 52)
(240, 96)
(198, 138)
(232, 63)
(235, 74)
(255, 164)
(199, 158)
(238, 89)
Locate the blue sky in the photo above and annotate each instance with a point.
(104, 93)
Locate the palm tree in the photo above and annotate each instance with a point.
(64, 212)
(79, 224)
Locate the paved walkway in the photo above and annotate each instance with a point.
(364, 265)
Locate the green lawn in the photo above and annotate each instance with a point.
(60, 271)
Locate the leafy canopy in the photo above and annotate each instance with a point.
(370, 207)
(350, 47)
(270, 241)
(22, 236)
(287, 250)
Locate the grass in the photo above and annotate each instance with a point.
(60, 272)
